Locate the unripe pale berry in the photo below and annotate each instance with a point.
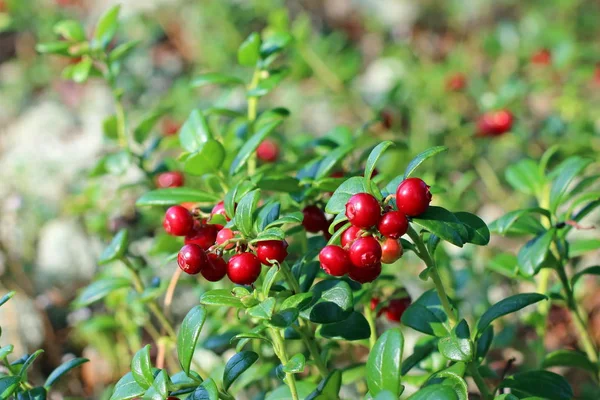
(334, 260)
(365, 252)
(363, 210)
(413, 197)
(178, 221)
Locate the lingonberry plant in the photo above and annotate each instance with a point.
(293, 261)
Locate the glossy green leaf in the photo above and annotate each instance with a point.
(332, 302)
(504, 224)
(263, 310)
(355, 327)
(159, 389)
(569, 358)
(420, 352)
(267, 214)
(188, 335)
(269, 280)
(208, 158)
(374, 157)
(61, 48)
(533, 253)
(251, 144)
(6, 350)
(269, 234)
(37, 393)
(337, 202)
(173, 196)
(329, 388)
(99, 289)
(452, 377)
(457, 346)
(443, 224)
(143, 129)
(206, 391)
(116, 249)
(216, 78)
(107, 26)
(333, 158)
(478, 231)
(220, 297)
(274, 43)
(427, 315)
(525, 177)
(28, 363)
(297, 301)
(127, 388)
(484, 342)
(279, 183)
(594, 270)
(70, 29)
(237, 365)
(141, 367)
(81, 70)
(7, 297)
(249, 51)
(268, 84)
(293, 218)
(435, 392)
(420, 158)
(565, 173)
(244, 214)
(284, 318)
(385, 362)
(544, 384)
(63, 369)
(295, 365)
(8, 385)
(194, 132)
(123, 50)
(507, 306)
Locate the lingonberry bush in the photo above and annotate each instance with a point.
(293, 255)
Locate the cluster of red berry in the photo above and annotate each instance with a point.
(205, 244)
(373, 237)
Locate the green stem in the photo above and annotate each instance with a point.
(424, 254)
(252, 112)
(372, 326)
(282, 355)
(483, 389)
(289, 277)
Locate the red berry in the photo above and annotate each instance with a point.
(314, 219)
(216, 268)
(393, 224)
(267, 151)
(219, 208)
(374, 303)
(391, 251)
(275, 250)
(396, 308)
(223, 236)
(203, 236)
(365, 252)
(169, 179)
(192, 259)
(413, 197)
(542, 57)
(363, 210)
(178, 221)
(387, 119)
(172, 398)
(170, 127)
(350, 235)
(334, 260)
(337, 174)
(243, 268)
(364, 275)
(494, 123)
(456, 82)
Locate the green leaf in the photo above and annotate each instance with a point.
(478, 232)
(61, 48)
(458, 345)
(188, 335)
(268, 84)
(122, 50)
(194, 132)
(6, 350)
(244, 214)
(337, 203)
(565, 173)
(373, 158)
(435, 392)
(269, 280)
(126, 388)
(293, 218)
(208, 158)
(421, 351)
(8, 385)
(544, 384)
(140, 133)
(81, 70)
(484, 342)
(327, 164)
(508, 306)
(7, 297)
(443, 224)
(297, 301)
(284, 318)
(525, 177)
(107, 27)
(160, 387)
(264, 310)
(28, 363)
(249, 51)
(116, 249)
(206, 391)
(220, 297)
(332, 302)
(279, 183)
(569, 358)
(216, 78)
(141, 368)
(452, 377)
(63, 369)
(427, 315)
(385, 362)
(237, 365)
(251, 144)
(269, 234)
(70, 29)
(295, 365)
(594, 270)
(532, 255)
(109, 127)
(99, 289)
(37, 393)
(173, 196)
(267, 214)
(355, 327)
(276, 42)
(415, 162)
(329, 388)
(503, 224)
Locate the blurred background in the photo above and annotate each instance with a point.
(428, 70)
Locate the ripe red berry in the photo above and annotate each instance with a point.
(334, 260)
(275, 250)
(387, 119)
(243, 268)
(396, 308)
(364, 275)
(413, 197)
(495, 123)
(391, 251)
(456, 82)
(350, 235)
(170, 127)
(365, 252)
(267, 151)
(178, 221)
(192, 259)
(203, 236)
(216, 268)
(542, 57)
(393, 224)
(219, 208)
(224, 235)
(314, 219)
(363, 210)
(374, 303)
(169, 179)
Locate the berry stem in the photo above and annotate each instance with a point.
(424, 255)
(483, 389)
(371, 320)
(279, 348)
